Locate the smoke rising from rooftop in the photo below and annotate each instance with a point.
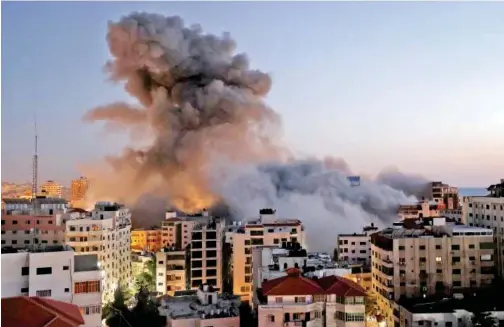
(213, 138)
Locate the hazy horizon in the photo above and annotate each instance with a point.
(413, 85)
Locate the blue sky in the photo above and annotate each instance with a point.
(419, 86)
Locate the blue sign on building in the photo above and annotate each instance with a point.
(354, 180)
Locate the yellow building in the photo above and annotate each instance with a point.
(146, 239)
(51, 189)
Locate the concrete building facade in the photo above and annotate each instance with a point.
(104, 231)
(356, 248)
(54, 272)
(428, 256)
(294, 300)
(146, 239)
(171, 271)
(265, 231)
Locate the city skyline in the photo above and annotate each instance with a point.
(380, 81)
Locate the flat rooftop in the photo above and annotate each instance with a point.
(475, 301)
(36, 249)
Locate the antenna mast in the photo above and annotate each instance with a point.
(35, 162)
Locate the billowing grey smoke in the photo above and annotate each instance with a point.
(214, 140)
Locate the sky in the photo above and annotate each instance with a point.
(417, 86)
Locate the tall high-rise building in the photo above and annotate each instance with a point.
(78, 190)
(106, 232)
(206, 253)
(445, 195)
(421, 257)
(266, 230)
(51, 189)
(54, 272)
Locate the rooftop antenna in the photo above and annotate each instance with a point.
(35, 161)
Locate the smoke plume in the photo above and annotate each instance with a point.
(214, 139)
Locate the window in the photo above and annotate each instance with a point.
(438, 259)
(44, 271)
(44, 293)
(65, 267)
(471, 246)
(67, 290)
(271, 318)
(278, 299)
(401, 248)
(25, 271)
(438, 247)
(87, 287)
(422, 247)
(14, 222)
(25, 290)
(455, 247)
(300, 299)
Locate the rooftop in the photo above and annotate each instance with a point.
(189, 305)
(39, 312)
(471, 301)
(295, 284)
(36, 249)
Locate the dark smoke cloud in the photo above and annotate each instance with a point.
(215, 141)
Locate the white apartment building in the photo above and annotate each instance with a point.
(104, 231)
(421, 257)
(201, 308)
(54, 271)
(294, 300)
(356, 248)
(207, 238)
(487, 212)
(265, 231)
(171, 271)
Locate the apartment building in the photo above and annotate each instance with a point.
(51, 189)
(78, 191)
(207, 238)
(488, 212)
(294, 300)
(356, 248)
(171, 271)
(176, 231)
(264, 231)
(27, 222)
(445, 195)
(200, 308)
(104, 231)
(146, 239)
(420, 209)
(420, 257)
(456, 311)
(54, 272)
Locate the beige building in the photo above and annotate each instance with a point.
(488, 212)
(294, 300)
(176, 231)
(51, 189)
(139, 261)
(356, 248)
(207, 238)
(104, 231)
(445, 195)
(171, 271)
(428, 256)
(203, 307)
(418, 210)
(267, 230)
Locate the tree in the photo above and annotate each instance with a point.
(144, 313)
(147, 279)
(484, 319)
